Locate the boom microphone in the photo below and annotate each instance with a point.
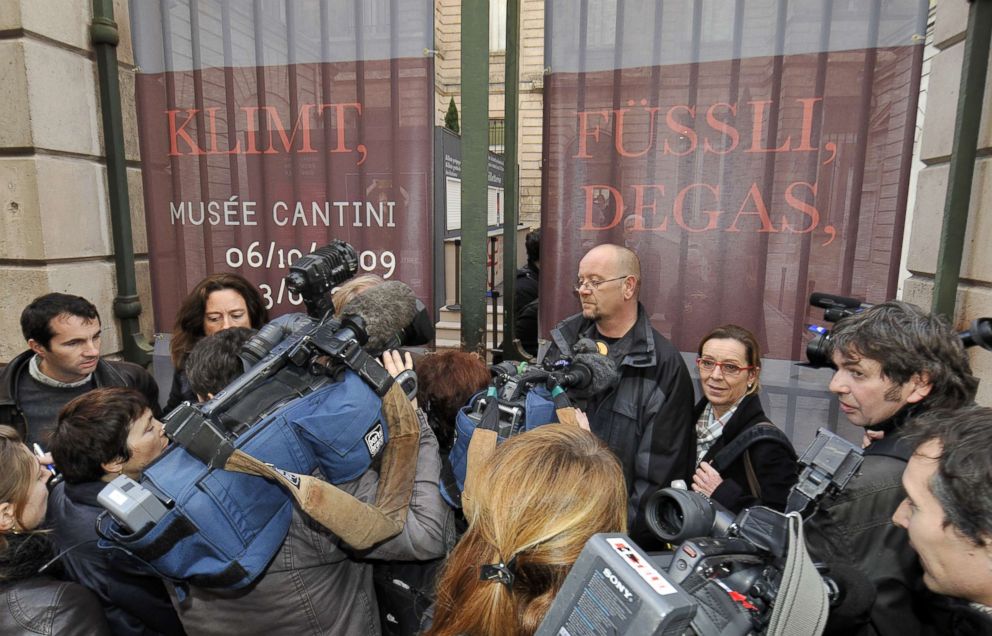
(387, 308)
(829, 301)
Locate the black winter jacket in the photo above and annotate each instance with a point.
(135, 600)
(108, 373)
(33, 604)
(774, 465)
(646, 419)
(855, 527)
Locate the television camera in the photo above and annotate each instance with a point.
(584, 373)
(728, 575)
(289, 359)
(836, 308)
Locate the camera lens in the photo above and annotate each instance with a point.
(676, 515)
(259, 345)
(818, 351)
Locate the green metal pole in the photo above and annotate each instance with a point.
(511, 193)
(475, 159)
(127, 306)
(963, 151)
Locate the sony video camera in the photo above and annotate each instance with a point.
(728, 572)
(835, 308)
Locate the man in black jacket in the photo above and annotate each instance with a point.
(62, 362)
(646, 418)
(947, 511)
(894, 361)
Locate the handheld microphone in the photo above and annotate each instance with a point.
(388, 309)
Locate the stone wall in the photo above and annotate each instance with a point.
(55, 232)
(974, 296)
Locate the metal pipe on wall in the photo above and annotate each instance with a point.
(127, 305)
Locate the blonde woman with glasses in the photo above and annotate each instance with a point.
(741, 474)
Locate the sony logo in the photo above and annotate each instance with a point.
(617, 583)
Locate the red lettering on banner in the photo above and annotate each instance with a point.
(212, 126)
(618, 140)
(800, 205)
(679, 213)
(683, 130)
(589, 225)
(182, 143)
(805, 141)
(584, 130)
(758, 130)
(176, 132)
(290, 142)
(640, 206)
(760, 210)
(723, 127)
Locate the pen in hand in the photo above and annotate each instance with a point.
(41, 455)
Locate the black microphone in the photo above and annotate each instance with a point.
(829, 301)
(589, 372)
(852, 596)
(387, 309)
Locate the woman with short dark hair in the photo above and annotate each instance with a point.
(31, 601)
(99, 436)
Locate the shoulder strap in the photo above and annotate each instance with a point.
(894, 446)
(761, 432)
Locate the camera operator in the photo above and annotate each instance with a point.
(948, 510)
(894, 361)
(315, 584)
(646, 418)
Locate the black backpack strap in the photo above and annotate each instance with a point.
(891, 445)
(760, 432)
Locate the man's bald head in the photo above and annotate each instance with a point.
(623, 260)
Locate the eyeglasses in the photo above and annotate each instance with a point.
(728, 368)
(593, 285)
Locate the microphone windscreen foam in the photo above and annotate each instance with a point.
(387, 309)
(602, 368)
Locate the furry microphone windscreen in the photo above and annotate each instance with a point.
(387, 308)
(602, 369)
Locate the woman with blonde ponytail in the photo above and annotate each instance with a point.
(540, 498)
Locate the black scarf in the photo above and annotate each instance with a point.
(24, 555)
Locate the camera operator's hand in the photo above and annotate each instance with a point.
(396, 363)
(582, 420)
(706, 479)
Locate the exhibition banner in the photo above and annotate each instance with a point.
(269, 128)
(749, 152)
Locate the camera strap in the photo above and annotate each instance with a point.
(760, 432)
(802, 604)
(359, 524)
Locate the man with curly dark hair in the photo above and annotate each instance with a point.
(894, 362)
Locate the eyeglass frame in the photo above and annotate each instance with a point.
(593, 285)
(717, 363)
